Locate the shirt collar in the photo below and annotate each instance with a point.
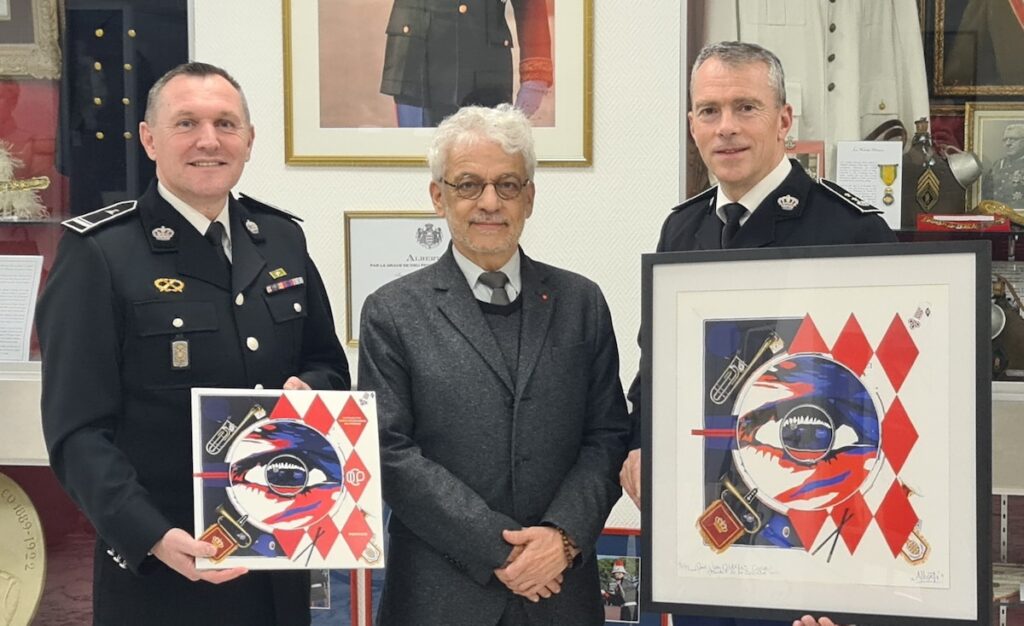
(481, 291)
(192, 215)
(753, 198)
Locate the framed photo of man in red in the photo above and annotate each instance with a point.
(366, 80)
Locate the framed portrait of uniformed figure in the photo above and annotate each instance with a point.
(995, 132)
(367, 81)
(974, 47)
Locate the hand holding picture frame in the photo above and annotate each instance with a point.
(817, 433)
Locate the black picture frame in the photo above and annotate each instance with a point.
(689, 297)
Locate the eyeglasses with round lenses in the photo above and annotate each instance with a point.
(507, 188)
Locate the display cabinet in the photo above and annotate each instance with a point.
(74, 75)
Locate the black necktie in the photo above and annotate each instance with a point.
(215, 235)
(733, 212)
(496, 281)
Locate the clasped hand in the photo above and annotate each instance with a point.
(535, 565)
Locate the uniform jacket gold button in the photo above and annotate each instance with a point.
(97, 101)
(131, 32)
(177, 322)
(99, 134)
(99, 32)
(258, 386)
(97, 66)
(127, 134)
(127, 67)
(125, 101)
(297, 307)
(252, 343)
(406, 29)
(463, 8)
(240, 299)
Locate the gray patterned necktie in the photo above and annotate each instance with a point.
(496, 281)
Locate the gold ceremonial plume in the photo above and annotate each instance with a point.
(992, 207)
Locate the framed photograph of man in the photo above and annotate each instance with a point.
(995, 132)
(973, 47)
(799, 447)
(29, 39)
(366, 80)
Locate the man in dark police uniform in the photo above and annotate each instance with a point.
(185, 287)
(739, 120)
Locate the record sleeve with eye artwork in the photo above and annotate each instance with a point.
(287, 479)
(819, 438)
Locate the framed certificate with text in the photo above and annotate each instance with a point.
(817, 433)
(380, 247)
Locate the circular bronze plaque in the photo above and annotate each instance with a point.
(22, 555)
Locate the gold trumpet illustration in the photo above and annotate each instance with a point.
(737, 369)
(228, 429)
(236, 528)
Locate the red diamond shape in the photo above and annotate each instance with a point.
(324, 533)
(857, 515)
(807, 525)
(896, 517)
(318, 417)
(897, 352)
(356, 475)
(284, 409)
(357, 533)
(852, 348)
(807, 338)
(352, 420)
(898, 435)
(288, 540)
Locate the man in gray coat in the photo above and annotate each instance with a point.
(502, 418)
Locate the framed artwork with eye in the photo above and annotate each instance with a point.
(817, 433)
(287, 479)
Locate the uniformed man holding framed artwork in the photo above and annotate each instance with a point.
(184, 287)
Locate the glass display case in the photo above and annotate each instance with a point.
(74, 75)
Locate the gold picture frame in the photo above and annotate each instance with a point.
(336, 115)
(31, 56)
(972, 61)
(984, 127)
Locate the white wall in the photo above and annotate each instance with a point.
(595, 220)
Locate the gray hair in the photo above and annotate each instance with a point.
(194, 68)
(1017, 128)
(736, 53)
(503, 124)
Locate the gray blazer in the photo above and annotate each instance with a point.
(466, 453)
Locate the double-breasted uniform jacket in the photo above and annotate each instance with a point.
(134, 280)
(799, 212)
(439, 51)
(468, 450)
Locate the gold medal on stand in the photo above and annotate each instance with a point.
(22, 555)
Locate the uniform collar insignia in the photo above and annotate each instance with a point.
(163, 233)
(252, 227)
(787, 202)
